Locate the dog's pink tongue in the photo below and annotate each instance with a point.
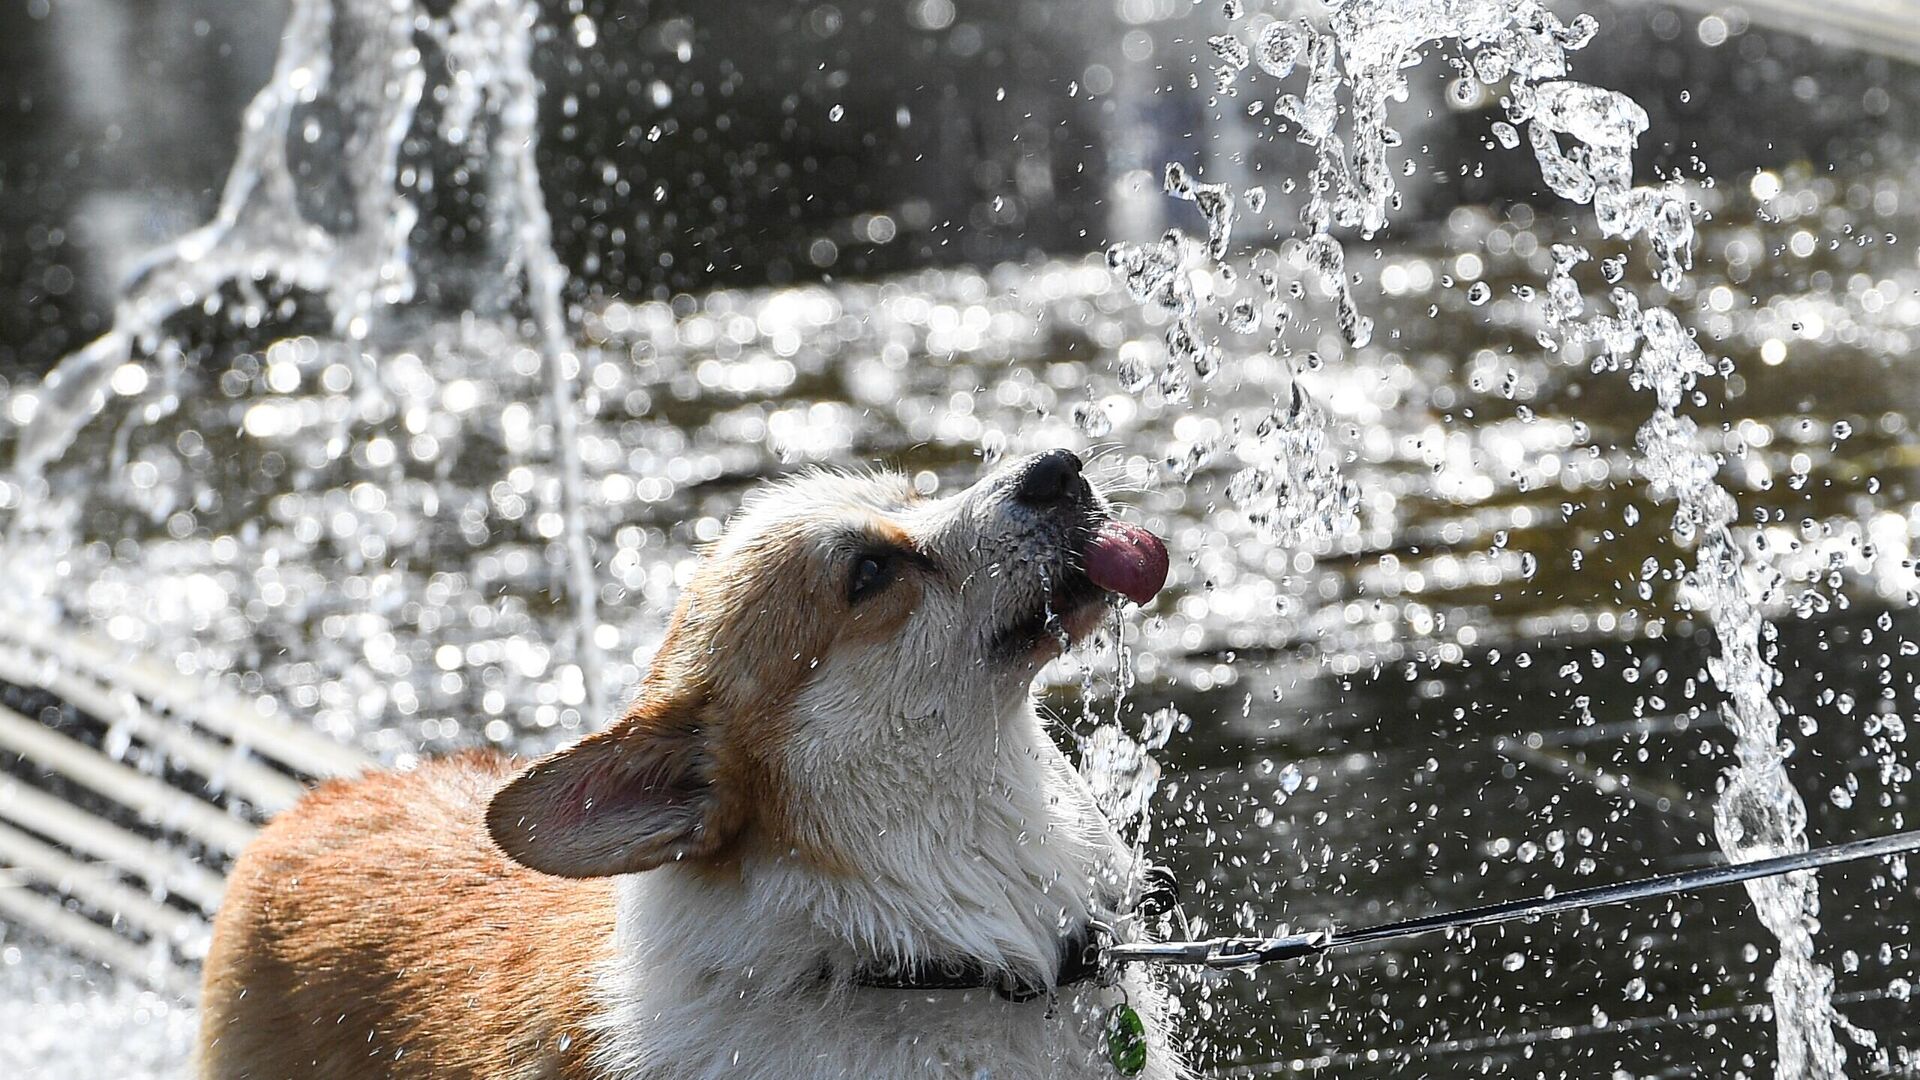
(1127, 559)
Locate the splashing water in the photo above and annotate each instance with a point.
(1583, 138)
(263, 229)
(898, 345)
(352, 253)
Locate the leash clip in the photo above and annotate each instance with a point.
(1223, 952)
(1163, 952)
(1245, 952)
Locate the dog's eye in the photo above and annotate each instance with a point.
(872, 572)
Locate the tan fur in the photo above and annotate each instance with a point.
(745, 639)
(347, 947)
(350, 948)
(465, 921)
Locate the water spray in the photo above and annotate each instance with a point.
(1583, 138)
(264, 234)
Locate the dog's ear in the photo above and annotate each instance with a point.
(628, 799)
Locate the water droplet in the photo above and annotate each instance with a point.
(1175, 182)
(1279, 48)
(1134, 374)
(1491, 65)
(834, 114)
(1092, 419)
(1290, 779)
(1230, 49)
(1248, 485)
(1175, 387)
(1243, 317)
(1479, 293)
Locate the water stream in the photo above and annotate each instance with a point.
(346, 90)
(1583, 138)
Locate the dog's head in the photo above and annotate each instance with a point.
(841, 623)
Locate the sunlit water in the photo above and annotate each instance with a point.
(1467, 680)
(1583, 138)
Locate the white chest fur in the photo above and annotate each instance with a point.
(989, 855)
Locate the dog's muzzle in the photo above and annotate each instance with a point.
(1098, 555)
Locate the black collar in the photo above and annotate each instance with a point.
(1081, 954)
(1079, 962)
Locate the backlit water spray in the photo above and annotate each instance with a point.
(356, 78)
(1355, 63)
(349, 78)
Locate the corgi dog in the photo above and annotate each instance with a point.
(830, 838)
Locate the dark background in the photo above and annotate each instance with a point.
(694, 144)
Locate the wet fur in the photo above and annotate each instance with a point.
(375, 930)
(803, 785)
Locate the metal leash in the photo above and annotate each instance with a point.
(1247, 952)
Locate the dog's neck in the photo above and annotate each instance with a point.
(987, 846)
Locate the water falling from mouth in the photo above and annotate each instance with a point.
(363, 61)
(1582, 138)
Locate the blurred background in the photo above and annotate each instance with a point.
(683, 151)
(864, 232)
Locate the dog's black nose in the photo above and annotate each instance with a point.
(1050, 479)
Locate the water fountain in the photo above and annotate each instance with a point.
(352, 73)
(400, 519)
(1583, 138)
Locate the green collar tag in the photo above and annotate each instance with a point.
(1126, 1040)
